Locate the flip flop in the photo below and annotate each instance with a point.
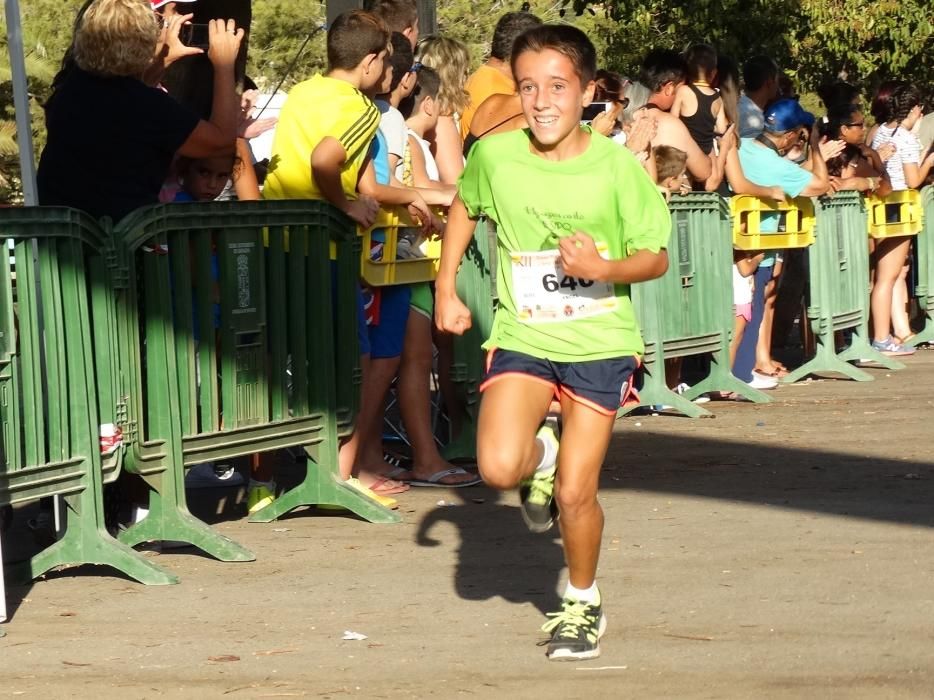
(382, 487)
(435, 479)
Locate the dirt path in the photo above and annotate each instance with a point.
(774, 551)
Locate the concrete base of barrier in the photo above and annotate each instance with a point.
(321, 487)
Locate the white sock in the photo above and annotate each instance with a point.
(585, 595)
(549, 454)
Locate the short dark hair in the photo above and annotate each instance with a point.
(662, 66)
(429, 85)
(567, 40)
(397, 15)
(701, 61)
(352, 37)
(508, 28)
(757, 71)
(401, 60)
(669, 162)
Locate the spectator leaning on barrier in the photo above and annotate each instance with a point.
(427, 467)
(495, 76)
(760, 87)
(763, 163)
(859, 167)
(907, 169)
(110, 162)
(322, 140)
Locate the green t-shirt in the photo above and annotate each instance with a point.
(605, 193)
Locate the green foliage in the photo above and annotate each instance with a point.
(47, 29)
(473, 21)
(813, 40)
(278, 30)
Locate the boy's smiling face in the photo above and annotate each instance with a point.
(553, 101)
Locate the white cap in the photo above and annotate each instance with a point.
(156, 4)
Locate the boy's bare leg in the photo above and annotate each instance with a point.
(901, 323)
(584, 442)
(764, 361)
(347, 454)
(511, 411)
(369, 465)
(739, 327)
(415, 402)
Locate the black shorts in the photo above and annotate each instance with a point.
(602, 385)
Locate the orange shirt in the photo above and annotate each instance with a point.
(484, 82)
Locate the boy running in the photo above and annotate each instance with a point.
(578, 221)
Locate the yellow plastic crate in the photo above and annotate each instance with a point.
(387, 270)
(747, 211)
(905, 208)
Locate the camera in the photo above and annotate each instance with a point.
(593, 109)
(195, 35)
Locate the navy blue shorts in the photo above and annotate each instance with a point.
(388, 332)
(602, 385)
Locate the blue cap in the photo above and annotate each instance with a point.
(786, 115)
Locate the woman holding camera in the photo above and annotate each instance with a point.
(114, 158)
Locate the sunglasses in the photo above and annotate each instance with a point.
(856, 125)
(416, 67)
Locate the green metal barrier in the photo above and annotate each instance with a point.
(257, 378)
(58, 384)
(924, 289)
(839, 285)
(476, 287)
(688, 311)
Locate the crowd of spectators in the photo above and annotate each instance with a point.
(391, 122)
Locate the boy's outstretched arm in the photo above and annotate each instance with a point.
(451, 315)
(580, 258)
(327, 159)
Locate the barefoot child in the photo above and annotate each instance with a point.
(578, 220)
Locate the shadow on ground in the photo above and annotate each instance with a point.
(522, 567)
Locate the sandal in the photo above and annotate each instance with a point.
(384, 486)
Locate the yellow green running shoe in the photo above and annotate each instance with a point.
(536, 494)
(575, 631)
(259, 495)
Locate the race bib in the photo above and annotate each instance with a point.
(544, 294)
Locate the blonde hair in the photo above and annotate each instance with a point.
(116, 37)
(450, 59)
